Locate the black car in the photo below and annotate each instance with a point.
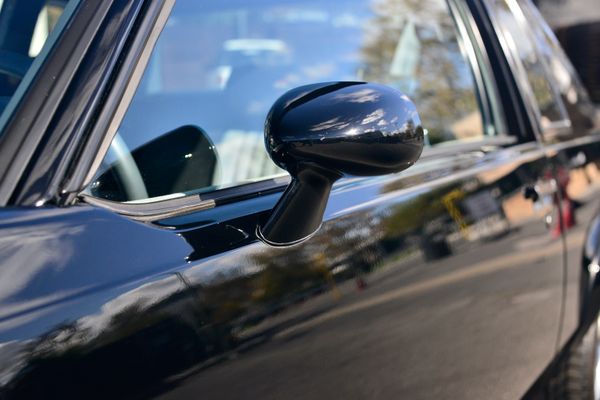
(206, 199)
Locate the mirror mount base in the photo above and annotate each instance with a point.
(299, 212)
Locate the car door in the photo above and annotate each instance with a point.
(143, 275)
(570, 136)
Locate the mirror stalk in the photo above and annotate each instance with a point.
(299, 212)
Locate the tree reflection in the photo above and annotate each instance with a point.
(413, 45)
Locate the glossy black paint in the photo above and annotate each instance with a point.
(321, 132)
(354, 128)
(408, 290)
(387, 282)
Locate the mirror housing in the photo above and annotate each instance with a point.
(323, 131)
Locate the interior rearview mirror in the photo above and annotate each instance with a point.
(321, 132)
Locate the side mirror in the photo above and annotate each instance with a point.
(321, 132)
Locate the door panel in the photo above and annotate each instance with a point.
(571, 142)
(442, 281)
(577, 166)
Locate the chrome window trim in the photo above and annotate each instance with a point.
(175, 207)
(149, 212)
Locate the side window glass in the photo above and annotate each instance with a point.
(196, 121)
(580, 109)
(521, 43)
(26, 35)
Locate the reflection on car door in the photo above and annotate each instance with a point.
(574, 148)
(447, 275)
(442, 282)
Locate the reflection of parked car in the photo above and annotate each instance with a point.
(150, 246)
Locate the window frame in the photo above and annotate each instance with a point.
(21, 130)
(133, 60)
(119, 98)
(469, 38)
